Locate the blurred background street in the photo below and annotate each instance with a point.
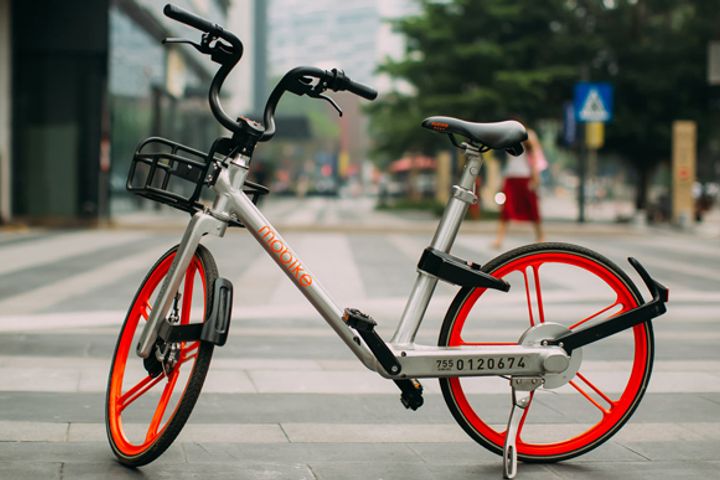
(623, 97)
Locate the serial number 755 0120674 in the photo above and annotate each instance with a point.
(478, 364)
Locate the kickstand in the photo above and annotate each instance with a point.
(522, 388)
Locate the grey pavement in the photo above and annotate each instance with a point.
(285, 399)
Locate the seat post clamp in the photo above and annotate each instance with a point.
(471, 150)
(464, 195)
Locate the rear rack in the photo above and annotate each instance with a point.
(174, 174)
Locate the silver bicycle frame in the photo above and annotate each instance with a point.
(416, 361)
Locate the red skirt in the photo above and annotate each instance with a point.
(520, 202)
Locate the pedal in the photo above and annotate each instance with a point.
(522, 388)
(365, 326)
(411, 396)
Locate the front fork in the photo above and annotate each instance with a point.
(201, 224)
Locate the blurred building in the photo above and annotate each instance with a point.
(81, 83)
(352, 36)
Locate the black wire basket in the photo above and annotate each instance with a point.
(173, 174)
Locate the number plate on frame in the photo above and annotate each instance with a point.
(479, 364)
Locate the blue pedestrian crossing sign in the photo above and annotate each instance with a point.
(593, 102)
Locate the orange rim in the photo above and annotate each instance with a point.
(614, 411)
(122, 396)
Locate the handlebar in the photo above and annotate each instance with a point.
(183, 16)
(361, 90)
(226, 54)
(212, 29)
(298, 80)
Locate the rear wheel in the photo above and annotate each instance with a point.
(571, 286)
(148, 401)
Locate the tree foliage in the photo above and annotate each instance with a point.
(655, 54)
(480, 61)
(492, 59)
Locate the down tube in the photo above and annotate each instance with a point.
(293, 267)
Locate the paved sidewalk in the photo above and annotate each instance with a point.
(284, 398)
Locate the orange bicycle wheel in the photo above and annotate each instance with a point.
(149, 400)
(577, 417)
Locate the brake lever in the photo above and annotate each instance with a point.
(200, 48)
(329, 100)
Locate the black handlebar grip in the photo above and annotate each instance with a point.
(361, 90)
(183, 16)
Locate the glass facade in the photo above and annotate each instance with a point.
(324, 33)
(90, 80)
(59, 72)
(154, 90)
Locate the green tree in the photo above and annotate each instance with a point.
(488, 60)
(654, 52)
(480, 61)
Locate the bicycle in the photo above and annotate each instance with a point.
(175, 344)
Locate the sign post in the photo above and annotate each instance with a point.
(593, 106)
(684, 138)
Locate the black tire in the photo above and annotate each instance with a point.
(193, 386)
(493, 266)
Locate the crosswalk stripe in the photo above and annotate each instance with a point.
(26, 255)
(671, 243)
(319, 364)
(655, 261)
(51, 294)
(329, 258)
(305, 215)
(253, 286)
(704, 313)
(92, 377)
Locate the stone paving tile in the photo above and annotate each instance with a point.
(610, 451)
(39, 379)
(690, 470)
(171, 471)
(39, 470)
(297, 453)
(490, 470)
(472, 454)
(371, 470)
(86, 452)
(364, 433)
(677, 450)
(192, 432)
(32, 431)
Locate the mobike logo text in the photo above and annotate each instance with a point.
(287, 259)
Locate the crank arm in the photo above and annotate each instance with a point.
(644, 313)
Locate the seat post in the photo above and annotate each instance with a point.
(462, 196)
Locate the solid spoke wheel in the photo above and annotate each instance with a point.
(571, 286)
(148, 401)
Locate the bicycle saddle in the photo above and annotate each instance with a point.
(506, 135)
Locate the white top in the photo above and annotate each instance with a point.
(518, 167)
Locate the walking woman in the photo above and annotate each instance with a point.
(522, 180)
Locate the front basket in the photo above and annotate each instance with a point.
(169, 173)
(173, 174)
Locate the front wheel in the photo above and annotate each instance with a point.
(148, 401)
(571, 286)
